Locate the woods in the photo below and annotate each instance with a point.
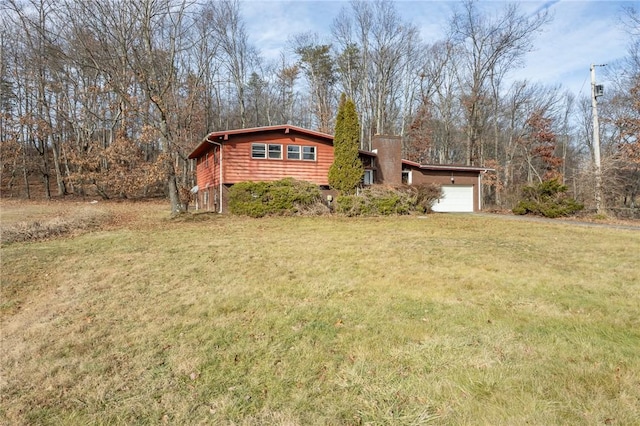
(108, 97)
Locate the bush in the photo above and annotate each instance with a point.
(425, 196)
(380, 200)
(283, 197)
(547, 199)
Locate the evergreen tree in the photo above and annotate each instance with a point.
(346, 171)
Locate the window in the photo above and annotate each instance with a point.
(298, 152)
(367, 179)
(309, 153)
(293, 152)
(258, 150)
(275, 152)
(406, 177)
(264, 151)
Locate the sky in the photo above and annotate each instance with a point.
(583, 32)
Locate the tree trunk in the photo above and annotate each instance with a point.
(62, 190)
(174, 195)
(46, 179)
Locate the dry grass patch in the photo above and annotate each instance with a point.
(36, 220)
(449, 320)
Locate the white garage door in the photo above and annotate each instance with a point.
(456, 198)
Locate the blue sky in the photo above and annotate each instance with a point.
(582, 32)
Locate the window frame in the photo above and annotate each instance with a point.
(409, 177)
(275, 151)
(371, 180)
(302, 151)
(253, 152)
(314, 152)
(298, 152)
(269, 151)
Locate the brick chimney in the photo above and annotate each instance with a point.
(389, 159)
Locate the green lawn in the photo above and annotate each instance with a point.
(448, 319)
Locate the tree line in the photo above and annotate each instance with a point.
(109, 97)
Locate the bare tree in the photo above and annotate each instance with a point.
(204, 54)
(139, 48)
(491, 45)
(41, 60)
(285, 81)
(376, 37)
(319, 68)
(237, 54)
(630, 20)
(439, 85)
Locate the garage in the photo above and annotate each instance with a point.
(456, 198)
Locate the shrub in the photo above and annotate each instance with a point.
(425, 196)
(283, 197)
(549, 199)
(380, 200)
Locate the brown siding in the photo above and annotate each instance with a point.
(205, 169)
(442, 177)
(208, 178)
(238, 166)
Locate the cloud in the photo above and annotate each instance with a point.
(545, 6)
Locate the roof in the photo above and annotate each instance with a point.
(446, 167)
(224, 135)
(367, 153)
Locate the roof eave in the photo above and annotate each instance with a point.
(447, 167)
(286, 128)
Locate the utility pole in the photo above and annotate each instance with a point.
(596, 91)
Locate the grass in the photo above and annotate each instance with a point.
(36, 221)
(449, 319)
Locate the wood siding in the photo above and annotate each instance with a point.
(208, 178)
(238, 166)
(207, 168)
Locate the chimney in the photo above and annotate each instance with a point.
(389, 159)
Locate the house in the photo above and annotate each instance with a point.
(461, 185)
(275, 152)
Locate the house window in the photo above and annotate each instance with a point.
(264, 151)
(275, 152)
(293, 152)
(406, 177)
(309, 153)
(298, 152)
(367, 178)
(258, 150)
